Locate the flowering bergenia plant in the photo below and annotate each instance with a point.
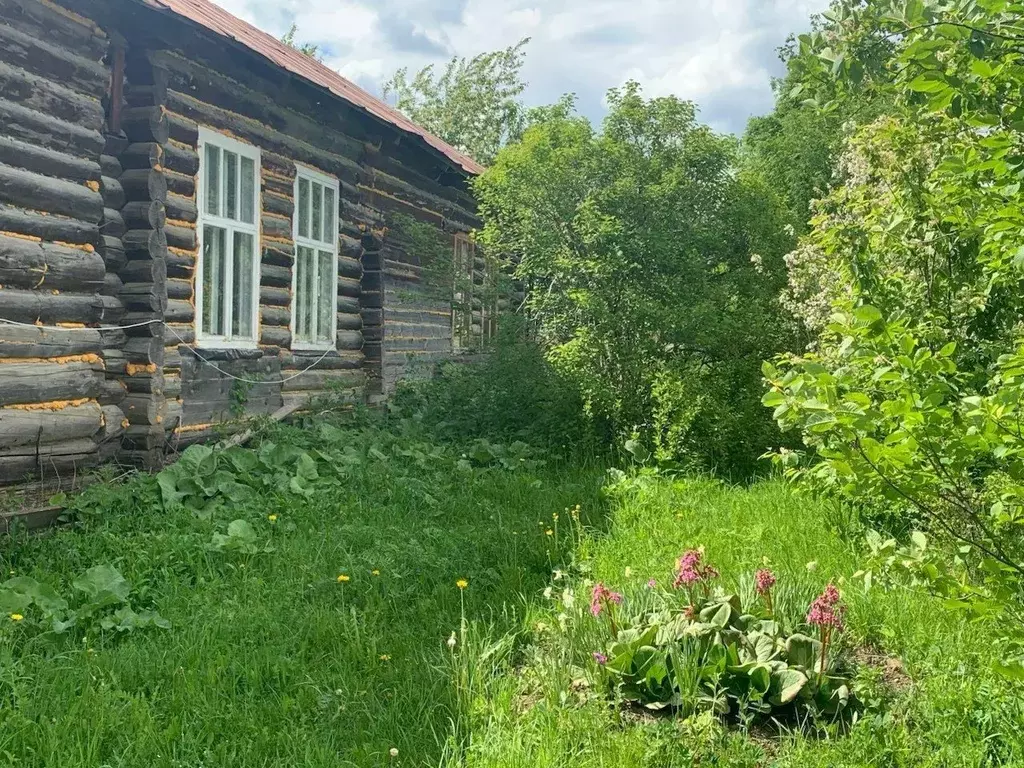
(692, 572)
(826, 613)
(764, 580)
(603, 599)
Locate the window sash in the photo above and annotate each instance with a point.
(228, 264)
(315, 276)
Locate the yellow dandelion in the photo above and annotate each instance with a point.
(461, 583)
(385, 657)
(272, 518)
(549, 532)
(16, 617)
(375, 572)
(342, 578)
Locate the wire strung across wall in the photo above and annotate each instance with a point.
(194, 351)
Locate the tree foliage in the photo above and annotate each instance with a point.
(310, 49)
(913, 275)
(474, 104)
(652, 269)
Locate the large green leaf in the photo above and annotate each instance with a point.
(786, 685)
(103, 583)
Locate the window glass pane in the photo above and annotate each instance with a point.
(318, 201)
(302, 296)
(330, 230)
(325, 297)
(247, 201)
(212, 189)
(213, 281)
(243, 294)
(309, 289)
(303, 207)
(231, 185)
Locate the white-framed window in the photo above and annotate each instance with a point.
(315, 276)
(228, 268)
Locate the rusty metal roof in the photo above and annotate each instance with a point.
(217, 20)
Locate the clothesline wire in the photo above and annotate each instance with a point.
(193, 350)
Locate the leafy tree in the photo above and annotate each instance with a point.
(311, 50)
(913, 274)
(796, 147)
(473, 104)
(653, 268)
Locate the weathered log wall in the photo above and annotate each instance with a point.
(99, 246)
(58, 413)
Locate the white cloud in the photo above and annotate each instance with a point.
(719, 53)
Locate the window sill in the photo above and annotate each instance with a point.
(216, 345)
(300, 346)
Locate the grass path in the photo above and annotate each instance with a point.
(271, 660)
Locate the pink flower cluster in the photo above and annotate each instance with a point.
(601, 596)
(764, 580)
(690, 570)
(826, 611)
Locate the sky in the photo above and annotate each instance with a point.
(720, 54)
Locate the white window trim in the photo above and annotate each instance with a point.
(312, 174)
(252, 152)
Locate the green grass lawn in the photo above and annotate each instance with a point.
(272, 661)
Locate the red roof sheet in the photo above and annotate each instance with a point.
(217, 20)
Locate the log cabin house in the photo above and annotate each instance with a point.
(197, 224)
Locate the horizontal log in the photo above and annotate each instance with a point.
(275, 297)
(21, 341)
(350, 247)
(348, 286)
(179, 311)
(275, 275)
(112, 392)
(20, 427)
(400, 345)
(50, 22)
(47, 162)
(377, 158)
(260, 134)
(183, 160)
(275, 316)
(325, 379)
(179, 289)
(349, 268)
(180, 265)
(275, 226)
(349, 340)
(180, 184)
(183, 129)
(145, 244)
(110, 165)
(114, 362)
(114, 424)
(56, 460)
(47, 226)
(145, 124)
(113, 223)
(49, 382)
(46, 130)
(112, 251)
(275, 336)
(144, 214)
(282, 205)
(144, 184)
(30, 264)
(181, 208)
(112, 192)
(26, 306)
(143, 408)
(25, 189)
(211, 86)
(350, 322)
(278, 253)
(39, 93)
(180, 237)
(294, 360)
(146, 155)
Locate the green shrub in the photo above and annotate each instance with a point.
(510, 394)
